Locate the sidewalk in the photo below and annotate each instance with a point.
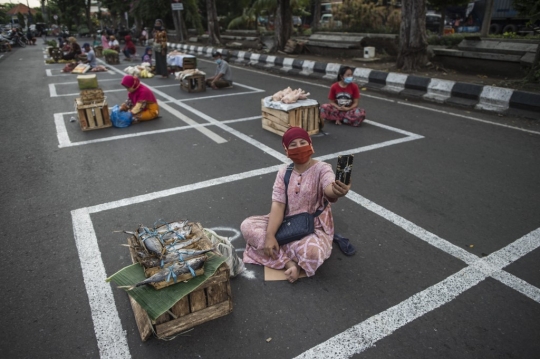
(464, 90)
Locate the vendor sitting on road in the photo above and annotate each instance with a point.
(344, 96)
(114, 44)
(90, 55)
(141, 101)
(223, 76)
(74, 50)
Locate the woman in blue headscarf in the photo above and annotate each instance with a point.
(160, 48)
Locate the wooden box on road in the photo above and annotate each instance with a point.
(93, 116)
(278, 121)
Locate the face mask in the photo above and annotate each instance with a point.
(348, 80)
(218, 61)
(300, 155)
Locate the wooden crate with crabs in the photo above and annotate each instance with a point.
(211, 300)
(93, 116)
(278, 121)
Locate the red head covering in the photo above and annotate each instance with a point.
(292, 134)
(141, 93)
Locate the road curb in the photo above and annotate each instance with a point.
(486, 98)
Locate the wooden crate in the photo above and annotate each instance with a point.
(112, 59)
(98, 51)
(194, 83)
(278, 121)
(210, 301)
(189, 63)
(93, 116)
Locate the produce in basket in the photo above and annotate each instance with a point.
(171, 272)
(109, 52)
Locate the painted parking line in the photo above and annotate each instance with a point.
(111, 338)
(64, 140)
(366, 334)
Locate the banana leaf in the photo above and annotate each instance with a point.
(156, 302)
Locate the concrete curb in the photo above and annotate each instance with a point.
(487, 98)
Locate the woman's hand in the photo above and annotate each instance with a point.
(340, 189)
(271, 244)
(124, 107)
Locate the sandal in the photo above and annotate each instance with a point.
(346, 247)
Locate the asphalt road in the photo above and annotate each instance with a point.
(444, 211)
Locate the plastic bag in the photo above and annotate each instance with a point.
(225, 247)
(120, 118)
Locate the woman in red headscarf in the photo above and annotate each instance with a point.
(141, 101)
(129, 49)
(311, 186)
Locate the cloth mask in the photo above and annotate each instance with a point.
(348, 80)
(300, 155)
(218, 61)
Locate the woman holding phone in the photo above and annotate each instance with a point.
(311, 184)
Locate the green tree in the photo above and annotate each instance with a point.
(21, 20)
(531, 8)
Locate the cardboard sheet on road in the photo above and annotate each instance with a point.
(278, 274)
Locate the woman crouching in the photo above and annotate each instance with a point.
(344, 96)
(141, 101)
(311, 186)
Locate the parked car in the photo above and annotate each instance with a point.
(433, 21)
(327, 21)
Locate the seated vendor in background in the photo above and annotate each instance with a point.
(114, 44)
(223, 76)
(74, 50)
(90, 55)
(141, 101)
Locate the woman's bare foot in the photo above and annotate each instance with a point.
(338, 123)
(292, 271)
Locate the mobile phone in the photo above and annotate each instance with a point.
(344, 168)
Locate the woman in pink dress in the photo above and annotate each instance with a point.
(310, 184)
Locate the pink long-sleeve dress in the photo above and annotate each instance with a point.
(306, 194)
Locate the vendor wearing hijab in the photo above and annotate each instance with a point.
(141, 101)
(74, 50)
(160, 48)
(129, 48)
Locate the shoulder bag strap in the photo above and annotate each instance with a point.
(286, 180)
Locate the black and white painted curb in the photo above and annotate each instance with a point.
(488, 98)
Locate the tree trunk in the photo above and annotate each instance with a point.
(484, 32)
(213, 23)
(443, 20)
(412, 36)
(183, 26)
(316, 14)
(44, 12)
(283, 23)
(88, 19)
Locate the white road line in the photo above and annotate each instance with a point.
(111, 338)
(182, 189)
(61, 131)
(65, 142)
(216, 96)
(52, 90)
(518, 284)
(366, 334)
(468, 117)
(213, 136)
(413, 229)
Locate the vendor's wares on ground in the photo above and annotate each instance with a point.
(192, 80)
(81, 69)
(143, 70)
(277, 116)
(187, 277)
(93, 116)
(289, 95)
(111, 57)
